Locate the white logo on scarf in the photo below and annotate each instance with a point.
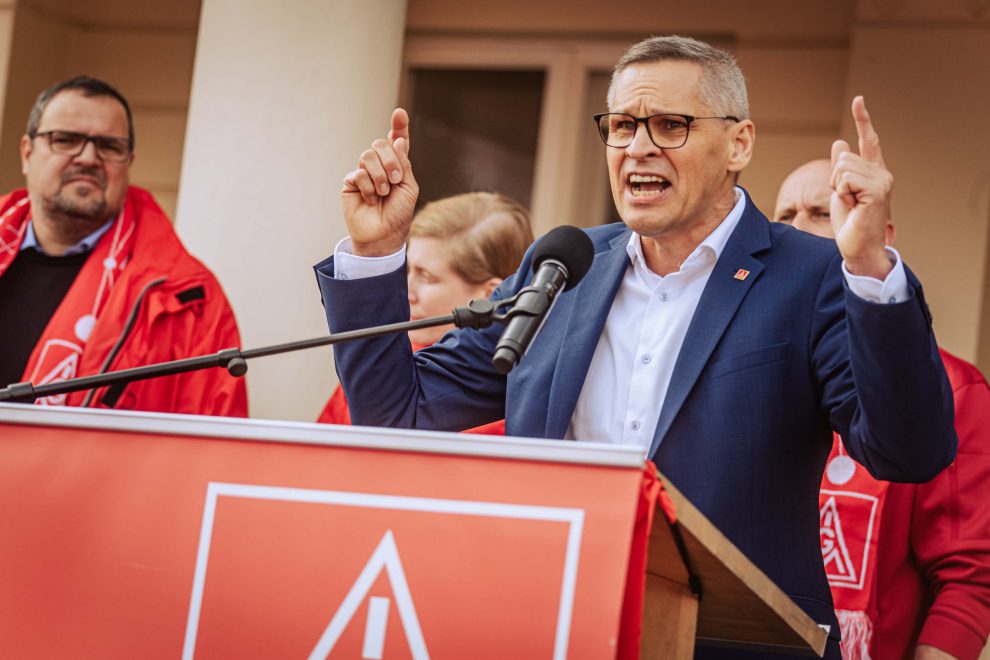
(64, 369)
(844, 568)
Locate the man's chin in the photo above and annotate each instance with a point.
(89, 208)
(646, 223)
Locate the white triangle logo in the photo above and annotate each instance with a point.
(64, 370)
(385, 556)
(835, 554)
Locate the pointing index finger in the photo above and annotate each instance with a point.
(400, 128)
(869, 141)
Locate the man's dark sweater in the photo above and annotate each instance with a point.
(30, 292)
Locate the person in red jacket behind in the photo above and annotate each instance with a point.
(908, 564)
(92, 275)
(459, 248)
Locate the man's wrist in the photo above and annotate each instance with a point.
(350, 266)
(892, 288)
(927, 652)
(375, 249)
(876, 265)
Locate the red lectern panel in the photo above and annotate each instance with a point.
(130, 535)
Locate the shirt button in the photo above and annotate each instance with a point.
(635, 425)
(647, 358)
(663, 297)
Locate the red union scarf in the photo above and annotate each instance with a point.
(12, 232)
(631, 618)
(56, 355)
(851, 504)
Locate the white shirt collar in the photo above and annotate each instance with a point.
(713, 244)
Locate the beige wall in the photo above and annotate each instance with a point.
(795, 98)
(37, 57)
(7, 9)
(797, 21)
(142, 47)
(926, 86)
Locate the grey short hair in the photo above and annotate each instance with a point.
(722, 87)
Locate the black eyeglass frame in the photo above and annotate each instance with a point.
(97, 140)
(645, 121)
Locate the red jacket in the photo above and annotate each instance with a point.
(179, 311)
(933, 554)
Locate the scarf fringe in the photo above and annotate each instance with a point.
(857, 633)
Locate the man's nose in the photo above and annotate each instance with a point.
(88, 153)
(642, 146)
(411, 289)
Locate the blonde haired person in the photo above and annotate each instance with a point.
(459, 248)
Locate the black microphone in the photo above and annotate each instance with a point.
(560, 260)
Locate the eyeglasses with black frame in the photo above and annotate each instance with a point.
(666, 131)
(67, 143)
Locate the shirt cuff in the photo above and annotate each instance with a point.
(349, 266)
(893, 289)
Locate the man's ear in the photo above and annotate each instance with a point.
(743, 136)
(26, 148)
(490, 285)
(890, 234)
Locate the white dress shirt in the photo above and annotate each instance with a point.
(634, 360)
(630, 371)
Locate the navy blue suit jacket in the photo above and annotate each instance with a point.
(770, 365)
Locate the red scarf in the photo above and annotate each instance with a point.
(56, 355)
(851, 504)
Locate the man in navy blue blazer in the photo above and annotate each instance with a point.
(726, 347)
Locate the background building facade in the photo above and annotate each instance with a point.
(249, 113)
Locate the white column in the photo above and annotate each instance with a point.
(285, 97)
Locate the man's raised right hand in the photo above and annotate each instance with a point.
(379, 197)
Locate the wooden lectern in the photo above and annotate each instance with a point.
(144, 535)
(739, 606)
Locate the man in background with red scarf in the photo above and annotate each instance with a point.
(92, 276)
(908, 564)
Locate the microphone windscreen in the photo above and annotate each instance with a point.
(571, 247)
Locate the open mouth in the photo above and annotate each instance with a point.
(647, 185)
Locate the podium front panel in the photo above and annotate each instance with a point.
(131, 535)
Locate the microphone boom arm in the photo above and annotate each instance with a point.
(476, 314)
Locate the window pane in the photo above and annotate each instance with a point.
(474, 130)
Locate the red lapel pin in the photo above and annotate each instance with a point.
(741, 274)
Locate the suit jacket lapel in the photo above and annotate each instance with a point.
(719, 302)
(592, 302)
